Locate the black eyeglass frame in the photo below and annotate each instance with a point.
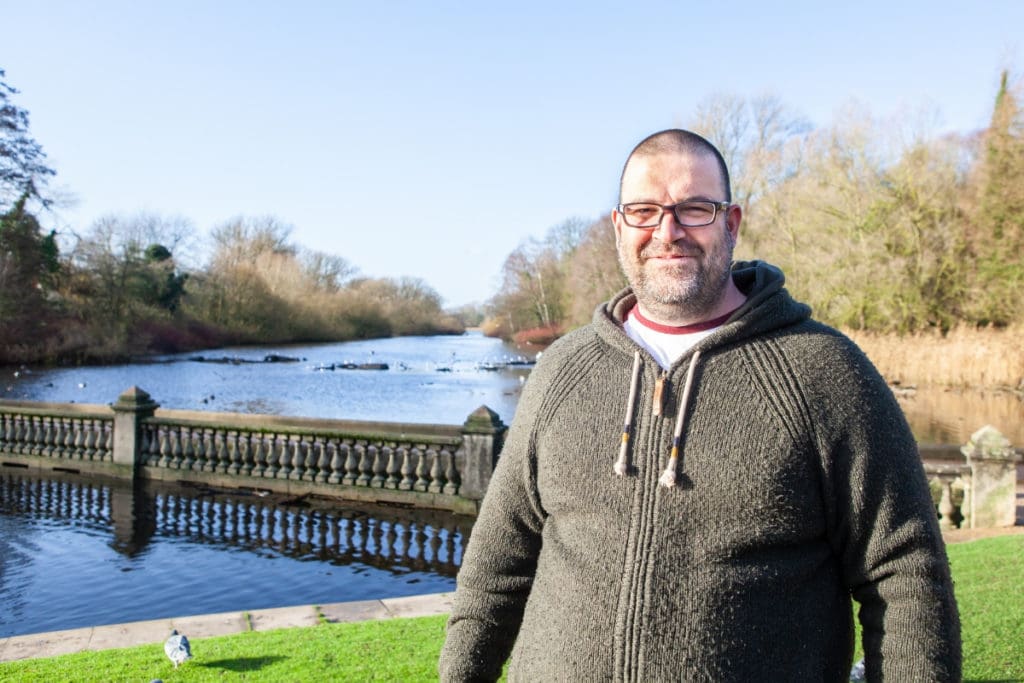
(674, 208)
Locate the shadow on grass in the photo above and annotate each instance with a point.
(241, 663)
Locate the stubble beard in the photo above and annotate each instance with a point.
(690, 288)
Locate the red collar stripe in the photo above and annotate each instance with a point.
(681, 329)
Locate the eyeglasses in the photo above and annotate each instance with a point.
(687, 214)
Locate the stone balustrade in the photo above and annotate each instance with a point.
(432, 466)
(445, 467)
(83, 433)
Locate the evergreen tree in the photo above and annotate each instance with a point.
(23, 169)
(998, 235)
(28, 263)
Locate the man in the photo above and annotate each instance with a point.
(764, 476)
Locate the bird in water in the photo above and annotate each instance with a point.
(177, 648)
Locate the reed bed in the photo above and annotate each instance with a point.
(965, 357)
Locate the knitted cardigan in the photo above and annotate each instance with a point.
(798, 485)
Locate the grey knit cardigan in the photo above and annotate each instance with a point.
(798, 485)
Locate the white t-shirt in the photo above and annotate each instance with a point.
(666, 343)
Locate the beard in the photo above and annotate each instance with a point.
(689, 288)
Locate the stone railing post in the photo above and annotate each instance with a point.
(130, 409)
(994, 473)
(483, 435)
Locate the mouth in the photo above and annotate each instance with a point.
(673, 255)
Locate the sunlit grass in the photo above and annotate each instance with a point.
(989, 575)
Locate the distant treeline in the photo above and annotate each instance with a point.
(879, 225)
(120, 291)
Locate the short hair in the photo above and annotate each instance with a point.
(678, 141)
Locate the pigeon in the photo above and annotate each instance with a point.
(177, 648)
(857, 674)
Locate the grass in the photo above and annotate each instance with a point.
(989, 576)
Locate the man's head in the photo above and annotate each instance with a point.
(679, 141)
(679, 274)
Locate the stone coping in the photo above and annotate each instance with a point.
(55, 643)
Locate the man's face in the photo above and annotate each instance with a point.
(676, 272)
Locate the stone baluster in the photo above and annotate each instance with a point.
(177, 450)
(947, 512)
(218, 452)
(230, 451)
(68, 450)
(80, 430)
(313, 453)
(299, 459)
(188, 450)
(422, 482)
(365, 463)
(395, 460)
(201, 451)
(165, 447)
(34, 437)
(91, 427)
(411, 455)
(436, 472)
(324, 468)
(252, 443)
(351, 464)
(451, 474)
(380, 463)
(152, 444)
(287, 452)
(47, 444)
(337, 463)
(259, 456)
(273, 457)
(241, 453)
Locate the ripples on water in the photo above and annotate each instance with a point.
(76, 554)
(429, 380)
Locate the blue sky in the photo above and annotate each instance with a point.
(475, 125)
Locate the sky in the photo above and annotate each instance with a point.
(430, 139)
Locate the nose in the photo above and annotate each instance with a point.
(668, 229)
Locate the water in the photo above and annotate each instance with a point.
(76, 554)
(430, 380)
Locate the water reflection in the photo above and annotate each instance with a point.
(949, 416)
(135, 548)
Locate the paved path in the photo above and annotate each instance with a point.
(156, 631)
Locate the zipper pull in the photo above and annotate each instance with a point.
(659, 393)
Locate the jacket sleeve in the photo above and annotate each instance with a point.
(499, 562)
(883, 527)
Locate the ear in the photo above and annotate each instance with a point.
(617, 223)
(733, 218)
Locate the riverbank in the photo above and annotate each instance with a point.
(133, 634)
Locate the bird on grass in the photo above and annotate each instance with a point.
(177, 648)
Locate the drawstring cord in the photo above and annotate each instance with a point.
(668, 477)
(621, 465)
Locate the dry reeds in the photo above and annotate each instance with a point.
(964, 357)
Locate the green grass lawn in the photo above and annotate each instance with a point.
(989, 576)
